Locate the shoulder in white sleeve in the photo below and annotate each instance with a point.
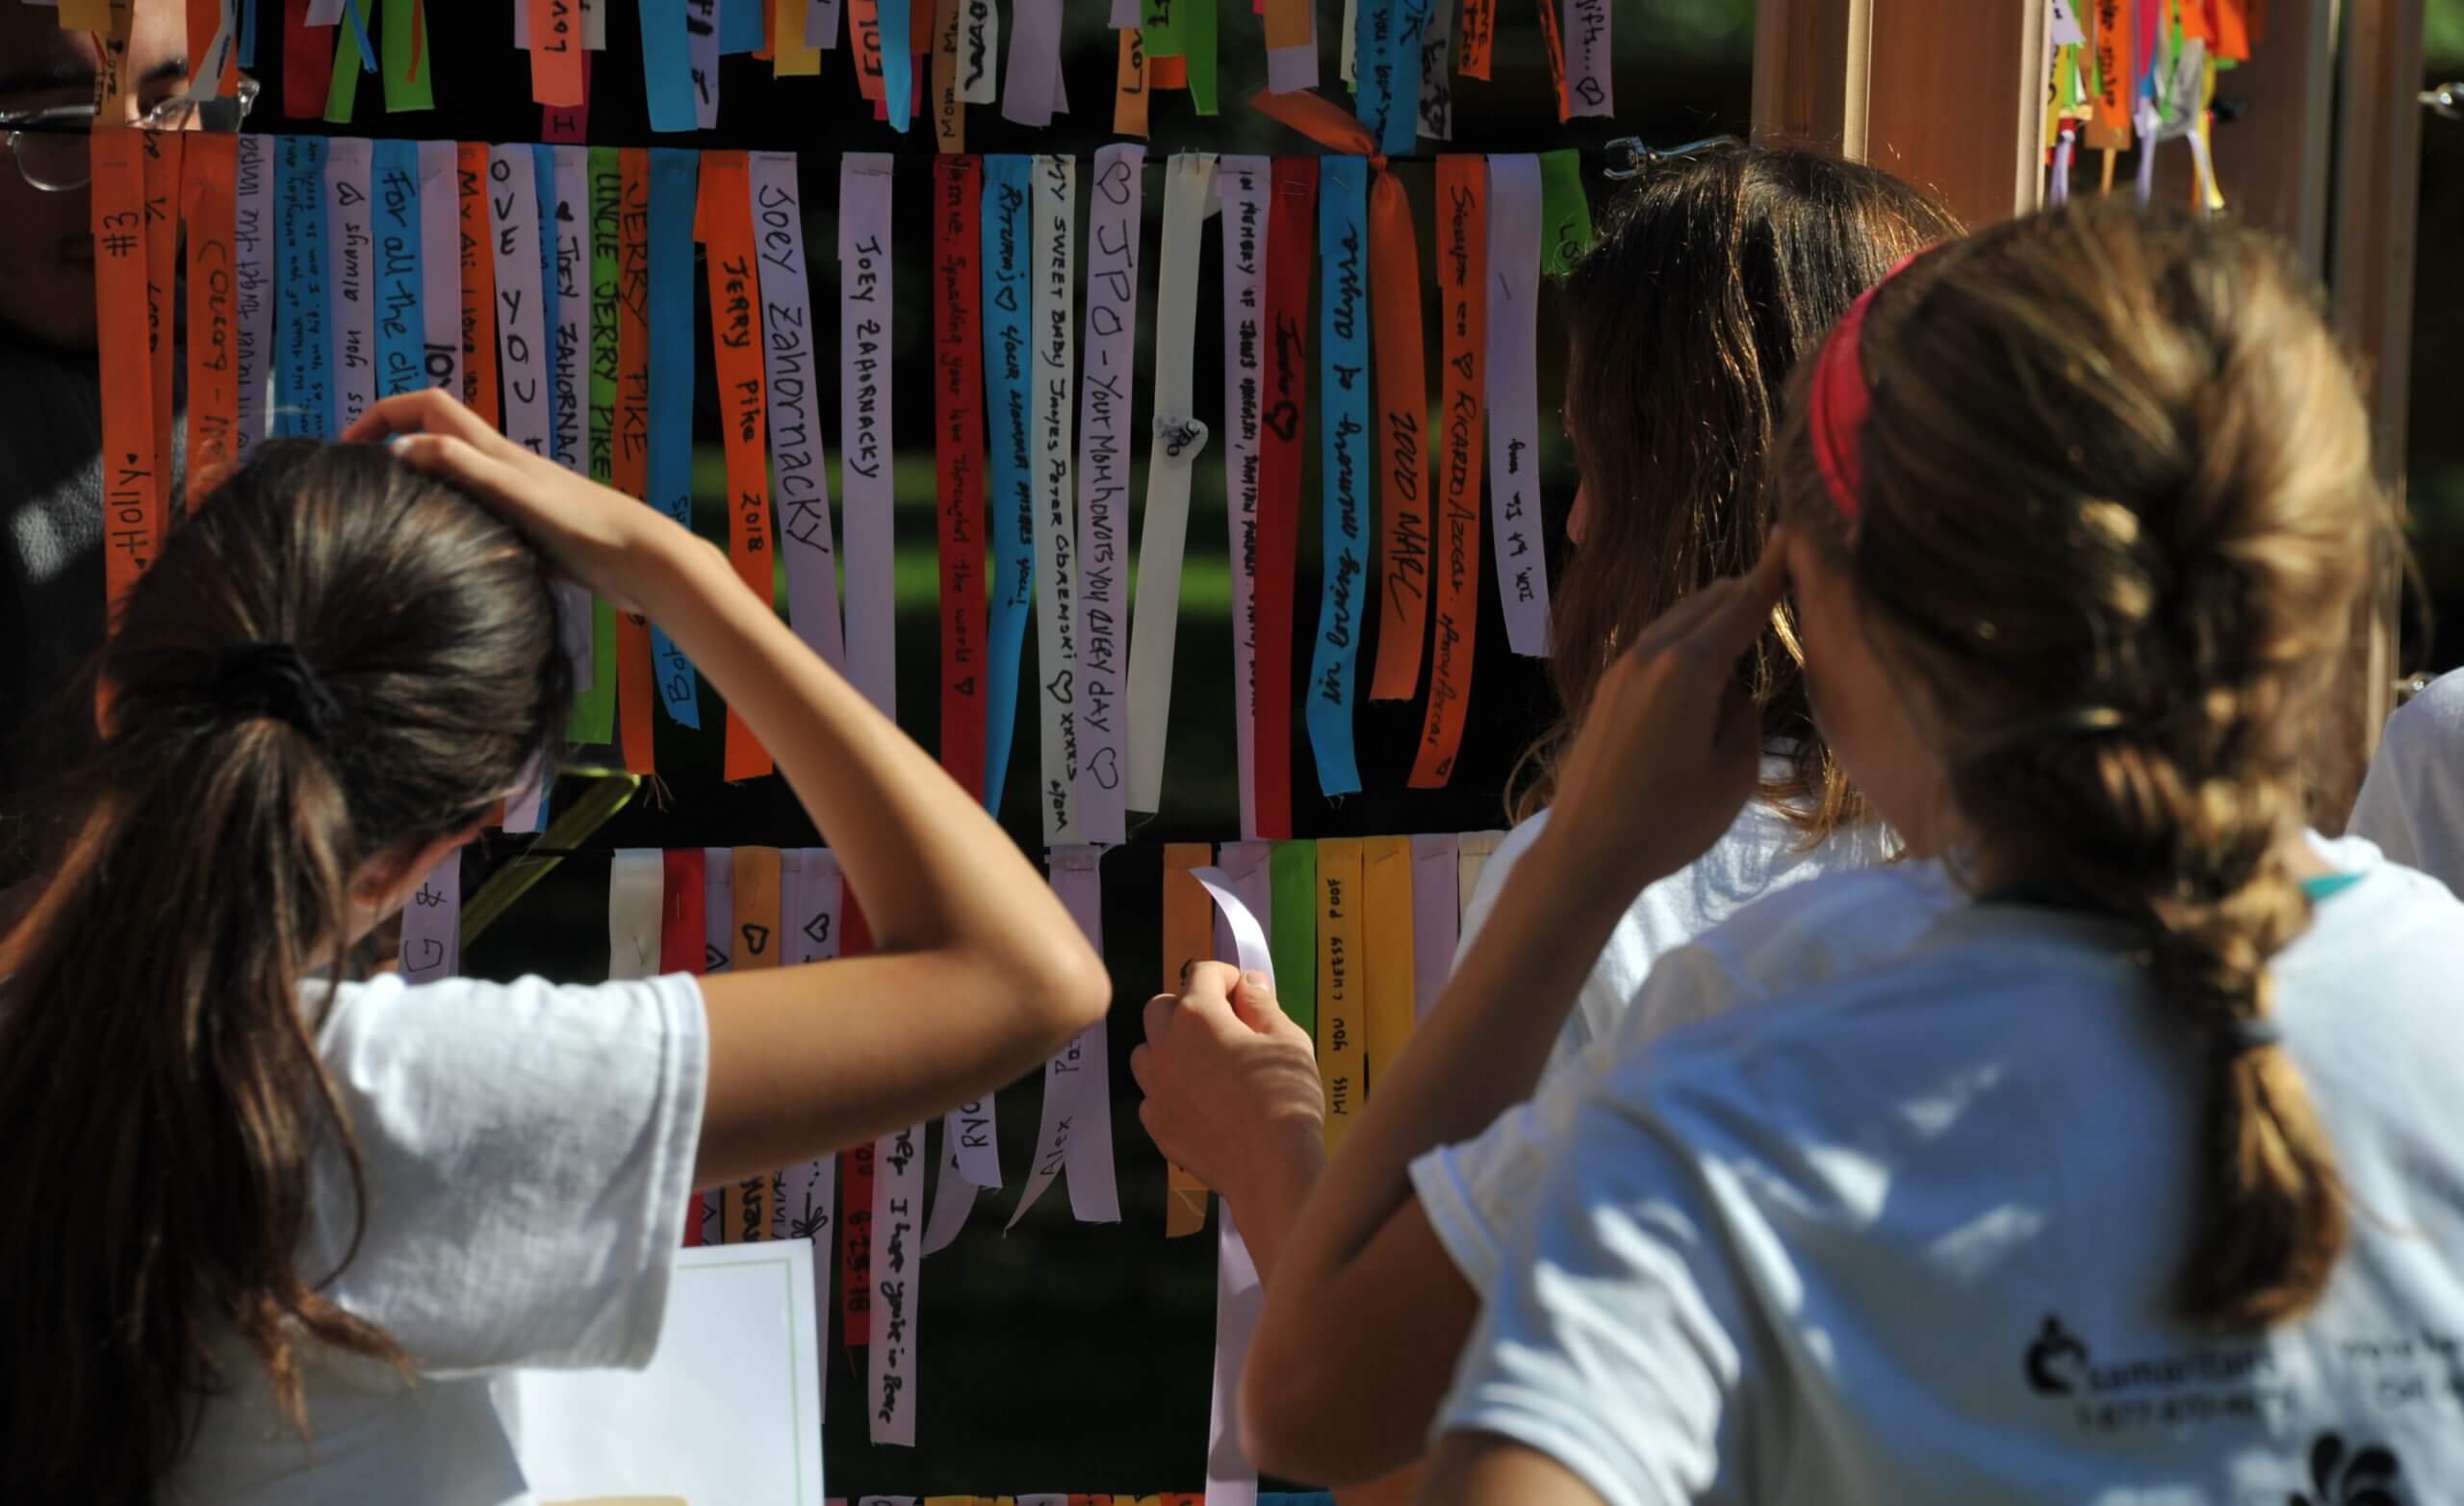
(527, 1150)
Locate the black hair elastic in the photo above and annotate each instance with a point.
(271, 679)
(2241, 1036)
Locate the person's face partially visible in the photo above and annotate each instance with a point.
(46, 240)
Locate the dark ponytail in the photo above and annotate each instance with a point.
(333, 662)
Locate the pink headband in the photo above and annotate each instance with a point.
(1842, 398)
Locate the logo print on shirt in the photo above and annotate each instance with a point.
(2057, 1362)
(2366, 1477)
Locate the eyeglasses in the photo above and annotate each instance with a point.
(51, 147)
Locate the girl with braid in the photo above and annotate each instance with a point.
(2136, 1177)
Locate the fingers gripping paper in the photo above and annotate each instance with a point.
(1231, 1480)
(1188, 940)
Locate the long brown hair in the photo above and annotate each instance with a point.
(161, 1096)
(2115, 514)
(1708, 281)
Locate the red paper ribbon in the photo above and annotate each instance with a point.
(635, 683)
(856, 1181)
(307, 63)
(958, 409)
(1283, 431)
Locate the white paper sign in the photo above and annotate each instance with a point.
(730, 1408)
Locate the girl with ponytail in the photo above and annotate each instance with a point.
(274, 1223)
(2137, 1175)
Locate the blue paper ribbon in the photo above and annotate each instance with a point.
(402, 316)
(667, 72)
(898, 65)
(1008, 351)
(1346, 462)
(303, 389)
(543, 182)
(673, 176)
(740, 27)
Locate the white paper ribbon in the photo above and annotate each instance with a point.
(718, 908)
(513, 216)
(1437, 73)
(1231, 1480)
(1589, 84)
(864, 388)
(800, 472)
(441, 263)
(635, 879)
(567, 226)
(2063, 24)
(251, 243)
(1107, 429)
(1514, 400)
(821, 24)
(702, 57)
(1472, 851)
(813, 898)
(1180, 436)
(350, 251)
(898, 1286)
(1053, 375)
(432, 925)
(1076, 1131)
(1245, 184)
(980, 53)
(1035, 93)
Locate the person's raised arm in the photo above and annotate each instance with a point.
(979, 974)
(1366, 1312)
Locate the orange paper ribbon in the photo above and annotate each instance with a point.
(1480, 35)
(1463, 319)
(1129, 95)
(555, 52)
(723, 218)
(478, 286)
(1556, 58)
(161, 159)
(864, 21)
(209, 209)
(132, 470)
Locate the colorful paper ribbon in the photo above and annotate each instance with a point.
(798, 458)
(1463, 281)
(1008, 308)
(725, 211)
(1051, 262)
(1107, 430)
(958, 412)
(1291, 232)
(865, 307)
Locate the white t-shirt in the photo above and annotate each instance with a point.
(1908, 1237)
(2412, 805)
(1477, 1194)
(527, 1150)
(1760, 851)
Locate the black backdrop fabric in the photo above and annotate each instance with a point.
(1063, 1356)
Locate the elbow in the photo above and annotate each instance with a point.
(1296, 1422)
(1071, 988)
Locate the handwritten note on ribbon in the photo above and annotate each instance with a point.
(1514, 400)
(798, 463)
(1463, 283)
(674, 188)
(253, 253)
(133, 468)
(1342, 999)
(865, 305)
(1107, 429)
(432, 925)
(1347, 459)
(898, 1286)
(303, 392)
(1009, 308)
(352, 254)
(1247, 188)
(1053, 380)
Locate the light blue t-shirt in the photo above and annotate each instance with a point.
(1909, 1237)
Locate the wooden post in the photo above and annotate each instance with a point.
(1946, 93)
